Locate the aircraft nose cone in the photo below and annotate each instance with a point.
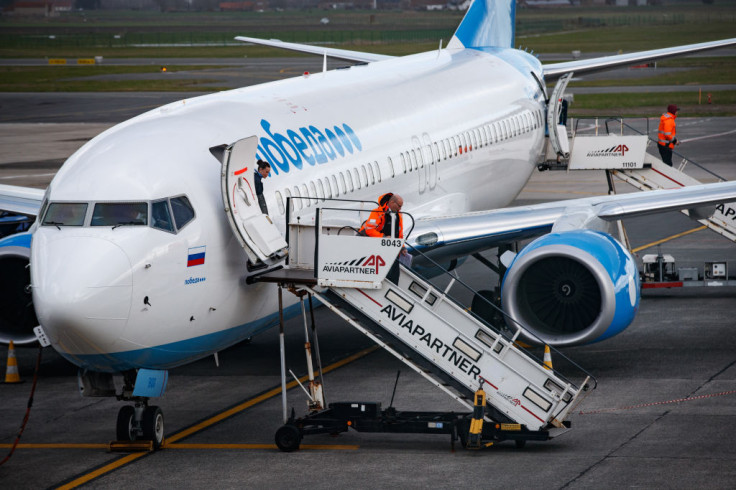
(82, 289)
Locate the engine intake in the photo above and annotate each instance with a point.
(572, 288)
(17, 316)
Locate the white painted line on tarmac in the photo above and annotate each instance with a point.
(708, 136)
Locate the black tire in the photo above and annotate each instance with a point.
(288, 438)
(124, 425)
(153, 426)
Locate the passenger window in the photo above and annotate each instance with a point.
(335, 187)
(280, 202)
(312, 189)
(320, 190)
(161, 217)
(377, 171)
(356, 178)
(413, 156)
(391, 166)
(343, 184)
(305, 196)
(297, 202)
(65, 214)
(120, 213)
(364, 174)
(287, 196)
(372, 178)
(403, 162)
(183, 211)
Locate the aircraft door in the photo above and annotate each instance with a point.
(433, 159)
(558, 132)
(255, 231)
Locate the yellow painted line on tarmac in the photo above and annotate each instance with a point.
(213, 420)
(181, 445)
(62, 445)
(265, 396)
(101, 471)
(648, 245)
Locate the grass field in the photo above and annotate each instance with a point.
(135, 33)
(131, 34)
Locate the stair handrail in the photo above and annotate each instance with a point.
(493, 329)
(623, 124)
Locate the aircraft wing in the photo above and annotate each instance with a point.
(556, 70)
(342, 54)
(456, 236)
(20, 200)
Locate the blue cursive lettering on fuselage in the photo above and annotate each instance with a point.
(306, 145)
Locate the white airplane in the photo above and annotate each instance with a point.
(135, 268)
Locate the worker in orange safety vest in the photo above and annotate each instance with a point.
(377, 225)
(667, 134)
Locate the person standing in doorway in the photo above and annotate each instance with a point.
(667, 134)
(264, 168)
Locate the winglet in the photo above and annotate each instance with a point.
(487, 24)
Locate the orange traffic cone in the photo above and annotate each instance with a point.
(547, 358)
(11, 374)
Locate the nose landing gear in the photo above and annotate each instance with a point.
(141, 423)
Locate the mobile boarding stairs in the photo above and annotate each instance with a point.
(618, 148)
(509, 393)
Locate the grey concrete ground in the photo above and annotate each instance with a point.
(634, 430)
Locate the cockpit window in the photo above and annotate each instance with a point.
(120, 213)
(65, 214)
(161, 217)
(183, 211)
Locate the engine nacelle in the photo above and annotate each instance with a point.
(17, 316)
(573, 287)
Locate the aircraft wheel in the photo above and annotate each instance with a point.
(126, 417)
(288, 438)
(153, 426)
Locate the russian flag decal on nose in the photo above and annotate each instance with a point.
(196, 256)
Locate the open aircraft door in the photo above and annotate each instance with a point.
(254, 230)
(558, 132)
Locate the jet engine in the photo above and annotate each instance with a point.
(570, 288)
(17, 316)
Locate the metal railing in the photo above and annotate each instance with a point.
(518, 325)
(623, 126)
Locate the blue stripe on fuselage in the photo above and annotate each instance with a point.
(168, 356)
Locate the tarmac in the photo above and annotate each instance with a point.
(662, 416)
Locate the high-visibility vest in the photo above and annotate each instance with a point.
(376, 222)
(667, 131)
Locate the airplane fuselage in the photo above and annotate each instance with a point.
(451, 132)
